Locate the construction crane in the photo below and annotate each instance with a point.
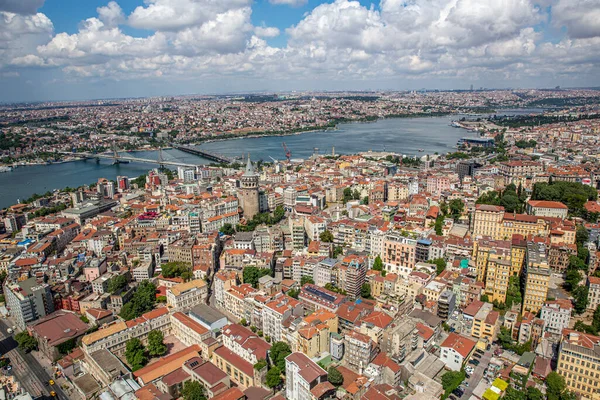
(288, 152)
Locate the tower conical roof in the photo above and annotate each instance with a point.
(249, 168)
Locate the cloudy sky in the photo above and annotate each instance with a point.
(82, 49)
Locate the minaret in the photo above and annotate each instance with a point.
(249, 191)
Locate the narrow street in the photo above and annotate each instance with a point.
(26, 368)
(477, 375)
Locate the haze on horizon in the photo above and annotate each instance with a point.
(69, 49)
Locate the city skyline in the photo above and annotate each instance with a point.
(129, 48)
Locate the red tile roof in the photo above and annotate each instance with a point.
(460, 344)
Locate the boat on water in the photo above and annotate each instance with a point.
(5, 169)
(421, 150)
(455, 124)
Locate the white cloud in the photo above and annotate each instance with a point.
(580, 17)
(21, 34)
(293, 3)
(266, 31)
(341, 41)
(173, 15)
(21, 6)
(111, 14)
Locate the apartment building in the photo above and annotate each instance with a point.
(313, 333)
(302, 376)
(494, 222)
(556, 315)
(359, 350)
(497, 277)
(244, 343)
(579, 363)
(276, 311)
(355, 277)
(455, 350)
(486, 323)
(115, 336)
(188, 331)
(28, 301)
(187, 295)
(399, 251)
(535, 277)
(593, 284)
(543, 208)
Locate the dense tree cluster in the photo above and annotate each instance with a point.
(175, 269)
(512, 199)
(143, 300)
(451, 380)
(193, 390)
(135, 354)
(524, 144)
(263, 218)
(251, 275)
(156, 346)
(573, 194)
(26, 342)
(117, 283)
(335, 377)
(279, 351)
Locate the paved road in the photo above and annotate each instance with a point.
(477, 375)
(26, 368)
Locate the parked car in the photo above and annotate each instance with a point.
(474, 362)
(477, 355)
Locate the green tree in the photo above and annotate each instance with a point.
(365, 291)
(355, 195)
(534, 394)
(581, 235)
(580, 296)
(451, 380)
(294, 293)
(142, 301)
(26, 342)
(572, 279)
(227, 229)
(273, 378)
(326, 237)
(243, 322)
(117, 283)
(456, 208)
(260, 364)
(175, 269)
(484, 298)
(306, 279)
(193, 390)
(156, 346)
(135, 354)
(66, 347)
(279, 351)
(335, 377)
(439, 225)
(252, 274)
(514, 394)
(347, 195)
(444, 208)
(555, 386)
(378, 264)
(440, 265)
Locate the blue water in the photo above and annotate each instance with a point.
(402, 135)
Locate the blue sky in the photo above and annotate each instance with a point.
(80, 49)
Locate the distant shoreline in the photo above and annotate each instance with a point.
(333, 126)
